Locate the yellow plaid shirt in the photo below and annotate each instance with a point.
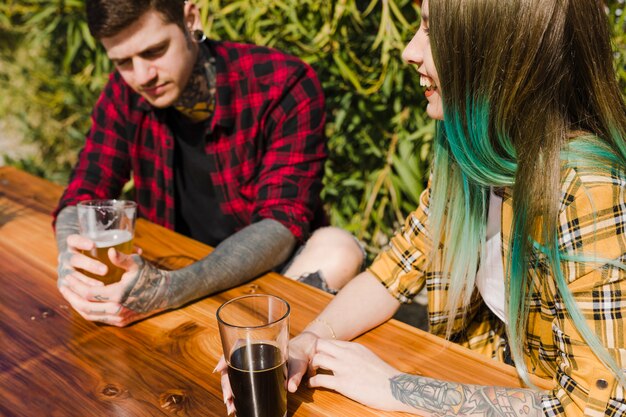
(592, 221)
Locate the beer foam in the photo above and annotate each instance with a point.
(108, 238)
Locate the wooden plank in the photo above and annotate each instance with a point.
(103, 376)
(28, 190)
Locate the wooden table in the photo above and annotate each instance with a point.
(54, 363)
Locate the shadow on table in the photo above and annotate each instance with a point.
(295, 401)
(8, 213)
(415, 314)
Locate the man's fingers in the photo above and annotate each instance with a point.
(93, 290)
(88, 264)
(78, 242)
(77, 276)
(122, 260)
(93, 311)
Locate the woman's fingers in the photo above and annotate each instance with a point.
(323, 381)
(221, 365)
(324, 361)
(301, 351)
(227, 391)
(297, 368)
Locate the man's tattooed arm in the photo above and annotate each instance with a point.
(66, 224)
(246, 254)
(440, 398)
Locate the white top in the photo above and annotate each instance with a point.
(490, 275)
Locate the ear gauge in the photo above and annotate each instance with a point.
(198, 36)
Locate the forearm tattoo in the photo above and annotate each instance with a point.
(442, 398)
(248, 253)
(66, 224)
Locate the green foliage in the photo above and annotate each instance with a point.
(51, 72)
(617, 19)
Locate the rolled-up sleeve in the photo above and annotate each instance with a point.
(290, 179)
(401, 266)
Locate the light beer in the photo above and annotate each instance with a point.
(121, 241)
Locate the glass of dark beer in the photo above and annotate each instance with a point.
(109, 224)
(255, 333)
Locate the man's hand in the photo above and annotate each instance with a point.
(141, 292)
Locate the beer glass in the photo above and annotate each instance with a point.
(255, 333)
(109, 224)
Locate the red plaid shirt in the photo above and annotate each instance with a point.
(266, 138)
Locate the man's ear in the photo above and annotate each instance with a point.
(192, 16)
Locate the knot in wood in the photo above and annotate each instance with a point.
(46, 312)
(252, 289)
(173, 401)
(110, 390)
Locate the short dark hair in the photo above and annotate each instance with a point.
(107, 18)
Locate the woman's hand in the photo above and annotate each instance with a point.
(357, 373)
(227, 392)
(301, 351)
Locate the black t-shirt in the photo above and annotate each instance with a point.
(197, 206)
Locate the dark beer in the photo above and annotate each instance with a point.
(257, 376)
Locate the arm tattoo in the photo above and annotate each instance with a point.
(66, 224)
(447, 398)
(248, 253)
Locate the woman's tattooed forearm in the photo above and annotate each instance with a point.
(447, 398)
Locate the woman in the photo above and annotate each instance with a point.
(529, 166)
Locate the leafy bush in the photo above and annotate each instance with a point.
(51, 72)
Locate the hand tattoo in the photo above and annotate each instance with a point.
(447, 398)
(149, 291)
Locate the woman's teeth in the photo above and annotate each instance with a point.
(426, 82)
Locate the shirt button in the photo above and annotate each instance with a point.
(602, 384)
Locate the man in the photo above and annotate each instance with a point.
(225, 142)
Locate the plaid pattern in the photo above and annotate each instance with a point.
(592, 223)
(266, 141)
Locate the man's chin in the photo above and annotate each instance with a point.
(160, 102)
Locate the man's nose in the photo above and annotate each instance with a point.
(145, 72)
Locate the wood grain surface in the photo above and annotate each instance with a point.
(54, 363)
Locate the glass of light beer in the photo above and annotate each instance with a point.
(109, 224)
(255, 333)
